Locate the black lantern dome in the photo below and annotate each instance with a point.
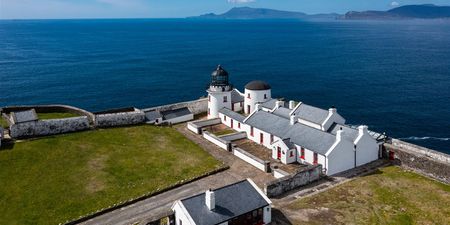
(219, 77)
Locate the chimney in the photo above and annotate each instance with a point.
(332, 110)
(362, 129)
(210, 199)
(293, 119)
(258, 106)
(339, 135)
(279, 104)
(291, 104)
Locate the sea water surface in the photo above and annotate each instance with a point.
(392, 76)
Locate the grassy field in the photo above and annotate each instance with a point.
(390, 196)
(46, 116)
(54, 179)
(3, 122)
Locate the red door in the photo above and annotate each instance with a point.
(231, 123)
(248, 109)
(261, 138)
(279, 153)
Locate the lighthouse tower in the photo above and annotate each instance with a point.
(219, 92)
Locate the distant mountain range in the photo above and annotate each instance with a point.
(427, 11)
(259, 13)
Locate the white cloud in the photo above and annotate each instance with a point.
(240, 1)
(395, 4)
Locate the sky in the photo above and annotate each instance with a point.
(66, 9)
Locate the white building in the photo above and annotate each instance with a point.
(235, 204)
(297, 132)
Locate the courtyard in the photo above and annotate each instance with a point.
(54, 179)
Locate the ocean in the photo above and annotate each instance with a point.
(393, 76)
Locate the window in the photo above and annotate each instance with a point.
(231, 123)
(180, 222)
(291, 154)
(248, 109)
(271, 138)
(239, 125)
(248, 95)
(265, 96)
(209, 98)
(225, 118)
(302, 153)
(209, 111)
(225, 99)
(261, 138)
(251, 131)
(240, 104)
(315, 158)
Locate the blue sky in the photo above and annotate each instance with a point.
(30, 9)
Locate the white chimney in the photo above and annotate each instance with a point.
(291, 104)
(332, 110)
(210, 199)
(279, 104)
(339, 135)
(362, 129)
(293, 119)
(258, 106)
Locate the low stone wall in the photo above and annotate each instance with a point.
(49, 127)
(196, 126)
(293, 181)
(119, 119)
(422, 160)
(252, 160)
(196, 107)
(217, 141)
(277, 173)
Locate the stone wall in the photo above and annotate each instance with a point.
(293, 181)
(252, 160)
(119, 119)
(196, 107)
(422, 160)
(49, 127)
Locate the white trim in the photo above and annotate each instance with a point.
(295, 108)
(251, 114)
(259, 191)
(184, 211)
(332, 148)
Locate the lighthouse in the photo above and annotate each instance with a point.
(219, 92)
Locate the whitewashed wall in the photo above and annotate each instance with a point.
(215, 140)
(247, 157)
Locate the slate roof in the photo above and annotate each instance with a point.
(283, 112)
(231, 201)
(348, 131)
(153, 115)
(270, 104)
(24, 116)
(311, 113)
(233, 115)
(236, 96)
(170, 114)
(302, 135)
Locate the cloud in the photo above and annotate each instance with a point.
(240, 1)
(395, 4)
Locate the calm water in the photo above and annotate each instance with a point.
(392, 76)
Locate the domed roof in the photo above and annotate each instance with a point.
(257, 85)
(219, 71)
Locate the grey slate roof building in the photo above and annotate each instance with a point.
(311, 113)
(24, 116)
(236, 97)
(170, 114)
(302, 135)
(270, 104)
(230, 201)
(153, 115)
(233, 115)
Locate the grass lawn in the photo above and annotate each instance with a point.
(3, 122)
(390, 196)
(224, 132)
(46, 116)
(54, 179)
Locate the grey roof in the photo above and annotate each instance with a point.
(283, 112)
(257, 85)
(231, 201)
(270, 104)
(236, 97)
(24, 116)
(233, 115)
(311, 113)
(348, 131)
(302, 135)
(153, 115)
(170, 114)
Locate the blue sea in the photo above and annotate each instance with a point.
(393, 76)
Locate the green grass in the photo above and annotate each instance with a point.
(46, 116)
(3, 122)
(54, 179)
(391, 196)
(224, 132)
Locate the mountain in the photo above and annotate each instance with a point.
(259, 13)
(427, 11)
